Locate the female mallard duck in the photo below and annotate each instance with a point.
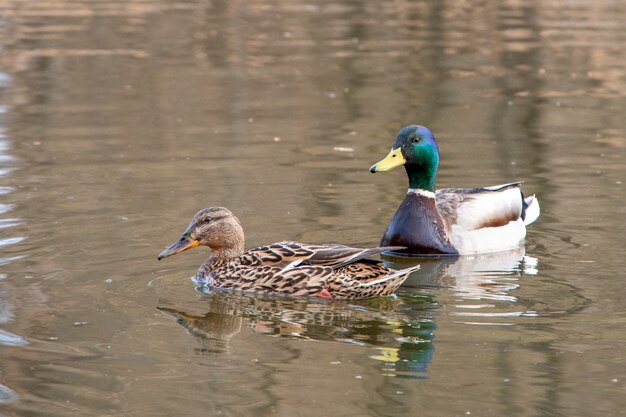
(452, 221)
(329, 271)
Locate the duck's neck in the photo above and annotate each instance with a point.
(225, 254)
(422, 176)
(227, 242)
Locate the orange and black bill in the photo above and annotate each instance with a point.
(181, 245)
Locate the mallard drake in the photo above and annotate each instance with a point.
(329, 271)
(451, 221)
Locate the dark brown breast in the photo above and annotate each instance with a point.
(418, 226)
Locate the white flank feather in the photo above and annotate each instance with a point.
(488, 239)
(469, 238)
(481, 208)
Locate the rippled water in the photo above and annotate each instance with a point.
(120, 119)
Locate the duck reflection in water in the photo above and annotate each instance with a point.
(478, 277)
(213, 330)
(400, 329)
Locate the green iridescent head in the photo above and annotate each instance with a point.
(415, 148)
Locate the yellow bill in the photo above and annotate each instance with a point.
(392, 160)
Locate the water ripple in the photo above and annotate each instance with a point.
(10, 241)
(9, 222)
(4, 261)
(10, 339)
(7, 395)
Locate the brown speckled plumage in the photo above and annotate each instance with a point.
(332, 270)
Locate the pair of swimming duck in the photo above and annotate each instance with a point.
(453, 221)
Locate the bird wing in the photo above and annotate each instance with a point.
(337, 256)
(288, 255)
(278, 254)
(477, 208)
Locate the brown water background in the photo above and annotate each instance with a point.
(120, 119)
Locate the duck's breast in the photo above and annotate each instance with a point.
(418, 226)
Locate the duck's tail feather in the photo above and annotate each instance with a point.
(531, 209)
(400, 275)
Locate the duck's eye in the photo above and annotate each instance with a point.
(415, 139)
(208, 219)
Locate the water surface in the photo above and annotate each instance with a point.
(120, 119)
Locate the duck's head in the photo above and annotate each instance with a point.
(215, 227)
(415, 148)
